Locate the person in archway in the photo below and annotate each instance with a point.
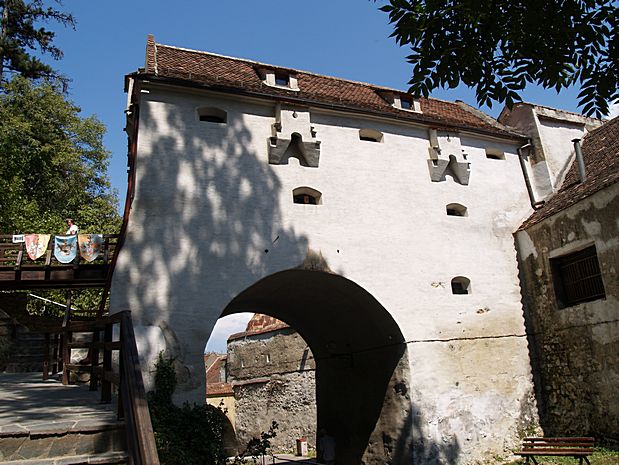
(325, 448)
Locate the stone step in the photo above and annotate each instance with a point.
(23, 351)
(95, 459)
(23, 367)
(61, 440)
(27, 335)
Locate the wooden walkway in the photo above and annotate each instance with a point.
(18, 272)
(28, 402)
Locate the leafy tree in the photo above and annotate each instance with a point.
(19, 36)
(500, 46)
(54, 166)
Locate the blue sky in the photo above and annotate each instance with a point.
(344, 38)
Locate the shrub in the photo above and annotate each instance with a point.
(187, 435)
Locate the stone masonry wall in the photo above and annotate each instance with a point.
(288, 399)
(273, 378)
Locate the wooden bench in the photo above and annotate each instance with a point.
(579, 448)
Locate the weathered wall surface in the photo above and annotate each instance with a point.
(576, 348)
(273, 378)
(551, 133)
(211, 217)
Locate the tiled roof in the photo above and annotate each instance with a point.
(260, 324)
(219, 389)
(600, 149)
(235, 74)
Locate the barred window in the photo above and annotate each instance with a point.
(577, 277)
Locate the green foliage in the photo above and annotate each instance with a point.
(165, 381)
(54, 166)
(187, 435)
(258, 447)
(20, 35)
(499, 47)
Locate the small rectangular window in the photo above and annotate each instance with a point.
(577, 278)
(282, 80)
(406, 104)
(493, 154)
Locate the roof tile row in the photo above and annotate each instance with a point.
(218, 71)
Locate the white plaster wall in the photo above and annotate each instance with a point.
(558, 147)
(208, 205)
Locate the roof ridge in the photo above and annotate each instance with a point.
(604, 125)
(560, 109)
(489, 119)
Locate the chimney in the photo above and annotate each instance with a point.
(580, 160)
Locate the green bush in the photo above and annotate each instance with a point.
(187, 435)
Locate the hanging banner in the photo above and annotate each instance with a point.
(36, 245)
(18, 238)
(90, 246)
(65, 248)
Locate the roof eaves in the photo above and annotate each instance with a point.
(417, 118)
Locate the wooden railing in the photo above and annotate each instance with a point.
(14, 254)
(18, 271)
(107, 371)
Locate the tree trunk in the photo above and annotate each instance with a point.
(3, 25)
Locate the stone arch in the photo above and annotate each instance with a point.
(360, 353)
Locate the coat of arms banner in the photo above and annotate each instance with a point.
(36, 245)
(90, 246)
(65, 248)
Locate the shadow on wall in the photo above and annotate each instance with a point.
(206, 223)
(205, 220)
(402, 433)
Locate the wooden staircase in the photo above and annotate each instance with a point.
(106, 421)
(27, 351)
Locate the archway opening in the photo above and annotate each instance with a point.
(359, 352)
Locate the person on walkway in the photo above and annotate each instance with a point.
(325, 447)
(71, 228)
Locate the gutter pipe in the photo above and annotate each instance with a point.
(527, 181)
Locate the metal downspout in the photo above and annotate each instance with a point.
(535, 205)
(581, 161)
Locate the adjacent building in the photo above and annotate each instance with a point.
(569, 255)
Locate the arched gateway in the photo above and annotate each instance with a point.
(362, 391)
(407, 370)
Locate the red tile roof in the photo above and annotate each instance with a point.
(260, 324)
(219, 389)
(600, 149)
(193, 67)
